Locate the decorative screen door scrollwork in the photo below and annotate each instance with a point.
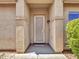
(39, 29)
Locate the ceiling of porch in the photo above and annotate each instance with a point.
(39, 5)
(39, 1)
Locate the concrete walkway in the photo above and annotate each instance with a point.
(32, 56)
(40, 49)
(51, 56)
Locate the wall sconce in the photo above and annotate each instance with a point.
(48, 21)
(16, 0)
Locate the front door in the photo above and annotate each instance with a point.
(39, 29)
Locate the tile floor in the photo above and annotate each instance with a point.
(40, 49)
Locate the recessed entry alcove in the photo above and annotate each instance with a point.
(39, 29)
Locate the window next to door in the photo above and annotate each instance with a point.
(73, 15)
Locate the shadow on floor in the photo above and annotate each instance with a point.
(40, 49)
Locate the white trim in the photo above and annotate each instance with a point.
(34, 29)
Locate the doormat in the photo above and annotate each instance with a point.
(39, 45)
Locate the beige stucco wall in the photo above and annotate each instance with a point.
(39, 11)
(56, 25)
(7, 27)
(51, 26)
(7, 0)
(26, 30)
(20, 8)
(22, 28)
(71, 1)
(50, 1)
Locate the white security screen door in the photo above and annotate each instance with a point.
(39, 29)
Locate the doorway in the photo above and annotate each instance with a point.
(39, 32)
(39, 29)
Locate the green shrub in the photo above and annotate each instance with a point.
(72, 29)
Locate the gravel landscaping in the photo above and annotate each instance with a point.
(69, 55)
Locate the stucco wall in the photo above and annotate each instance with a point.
(71, 1)
(51, 41)
(56, 25)
(22, 28)
(26, 30)
(7, 0)
(7, 27)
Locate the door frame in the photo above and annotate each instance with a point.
(43, 30)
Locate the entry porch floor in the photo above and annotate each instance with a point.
(40, 49)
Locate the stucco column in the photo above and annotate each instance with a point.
(58, 25)
(20, 26)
